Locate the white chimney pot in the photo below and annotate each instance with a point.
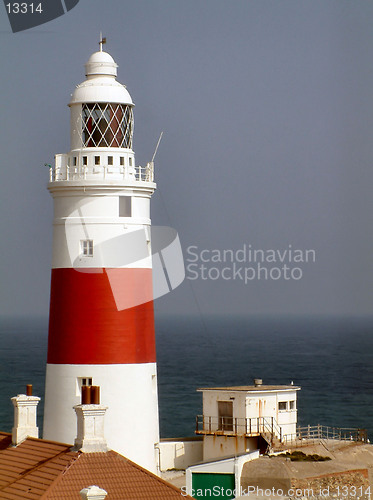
(90, 436)
(25, 413)
(93, 493)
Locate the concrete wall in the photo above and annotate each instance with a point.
(179, 453)
(224, 446)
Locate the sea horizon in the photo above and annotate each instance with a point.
(329, 357)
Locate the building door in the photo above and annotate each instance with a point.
(204, 485)
(225, 413)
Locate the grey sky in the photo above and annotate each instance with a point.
(267, 114)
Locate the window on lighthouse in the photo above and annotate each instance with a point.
(125, 206)
(80, 381)
(107, 125)
(87, 248)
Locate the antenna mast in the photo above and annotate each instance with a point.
(102, 41)
(156, 148)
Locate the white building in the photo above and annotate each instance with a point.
(241, 419)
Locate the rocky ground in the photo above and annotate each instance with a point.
(349, 473)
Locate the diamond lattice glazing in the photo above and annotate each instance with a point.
(107, 125)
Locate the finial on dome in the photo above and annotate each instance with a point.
(101, 63)
(102, 41)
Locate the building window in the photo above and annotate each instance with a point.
(87, 248)
(282, 405)
(97, 160)
(74, 161)
(292, 405)
(85, 160)
(225, 413)
(125, 206)
(80, 382)
(121, 161)
(109, 160)
(130, 161)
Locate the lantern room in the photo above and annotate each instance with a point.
(101, 117)
(101, 128)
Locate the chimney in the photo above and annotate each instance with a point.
(90, 419)
(258, 382)
(25, 413)
(93, 493)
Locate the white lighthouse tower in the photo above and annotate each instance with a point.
(101, 329)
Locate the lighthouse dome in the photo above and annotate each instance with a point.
(100, 63)
(101, 84)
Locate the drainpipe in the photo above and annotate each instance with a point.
(158, 461)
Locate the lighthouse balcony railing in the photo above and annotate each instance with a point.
(61, 172)
(232, 426)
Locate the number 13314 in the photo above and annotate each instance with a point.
(23, 8)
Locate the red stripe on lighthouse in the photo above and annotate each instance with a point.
(85, 325)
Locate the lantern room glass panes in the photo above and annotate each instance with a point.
(107, 125)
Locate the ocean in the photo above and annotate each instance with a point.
(330, 358)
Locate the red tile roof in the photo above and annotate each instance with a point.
(40, 469)
(120, 477)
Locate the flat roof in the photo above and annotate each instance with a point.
(252, 388)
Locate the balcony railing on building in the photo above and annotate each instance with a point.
(248, 427)
(269, 428)
(102, 172)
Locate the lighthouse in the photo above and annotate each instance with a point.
(101, 327)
